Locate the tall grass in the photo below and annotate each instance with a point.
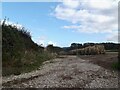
(31, 60)
(19, 53)
(116, 66)
(90, 50)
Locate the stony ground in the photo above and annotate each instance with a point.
(68, 72)
(103, 60)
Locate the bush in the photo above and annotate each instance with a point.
(19, 52)
(90, 50)
(116, 66)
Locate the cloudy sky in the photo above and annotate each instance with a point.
(65, 22)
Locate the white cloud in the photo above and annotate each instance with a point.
(51, 42)
(19, 26)
(44, 41)
(101, 4)
(71, 3)
(41, 40)
(89, 16)
(113, 37)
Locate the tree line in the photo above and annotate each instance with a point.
(20, 53)
(91, 48)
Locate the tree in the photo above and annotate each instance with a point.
(75, 46)
(50, 48)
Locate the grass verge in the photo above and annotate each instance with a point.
(116, 66)
(29, 62)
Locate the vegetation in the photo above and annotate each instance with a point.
(19, 52)
(90, 50)
(109, 47)
(53, 49)
(116, 66)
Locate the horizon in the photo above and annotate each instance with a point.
(62, 23)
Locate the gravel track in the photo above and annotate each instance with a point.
(68, 72)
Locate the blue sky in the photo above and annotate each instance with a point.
(54, 23)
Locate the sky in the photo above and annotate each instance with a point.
(66, 22)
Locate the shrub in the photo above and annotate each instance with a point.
(116, 66)
(90, 50)
(19, 52)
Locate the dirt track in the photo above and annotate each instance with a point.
(105, 61)
(67, 72)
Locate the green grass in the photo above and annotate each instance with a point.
(31, 61)
(116, 66)
(19, 53)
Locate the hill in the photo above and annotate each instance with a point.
(19, 52)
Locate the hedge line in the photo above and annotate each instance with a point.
(90, 50)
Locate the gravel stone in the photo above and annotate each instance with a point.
(69, 72)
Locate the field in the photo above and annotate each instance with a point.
(26, 64)
(69, 71)
(107, 61)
